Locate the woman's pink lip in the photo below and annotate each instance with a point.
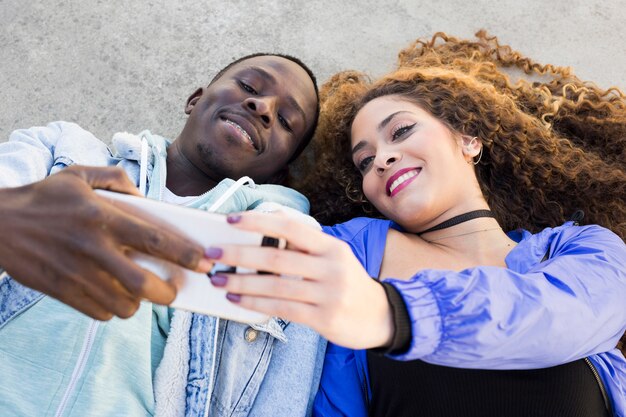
(398, 175)
(402, 186)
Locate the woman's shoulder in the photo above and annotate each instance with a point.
(568, 230)
(593, 237)
(572, 238)
(358, 228)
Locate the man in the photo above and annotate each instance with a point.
(253, 119)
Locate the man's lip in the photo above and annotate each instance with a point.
(397, 175)
(246, 125)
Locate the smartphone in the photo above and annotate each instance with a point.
(195, 291)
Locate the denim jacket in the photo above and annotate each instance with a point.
(76, 366)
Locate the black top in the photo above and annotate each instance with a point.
(416, 388)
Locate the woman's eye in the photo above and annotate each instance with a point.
(365, 163)
(401, 130)
(284, 123)
(248, 88)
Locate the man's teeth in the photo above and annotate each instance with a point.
(401, 179)
(239, 128)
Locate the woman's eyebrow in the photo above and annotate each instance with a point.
(358, 147)
(380, 127)
(388, 119)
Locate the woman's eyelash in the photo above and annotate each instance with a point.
(401, 130)
(365, 162)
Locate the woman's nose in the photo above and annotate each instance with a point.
(386, 163)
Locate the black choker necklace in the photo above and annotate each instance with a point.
(461, 218)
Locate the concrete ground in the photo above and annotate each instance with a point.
(113, 65)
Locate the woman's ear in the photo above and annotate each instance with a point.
(471, 146)
(193, 99)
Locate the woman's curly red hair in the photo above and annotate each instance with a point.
(553, 144)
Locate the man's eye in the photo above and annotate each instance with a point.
(401, 130)
(248, 88)
(284, 123)
(365, 163)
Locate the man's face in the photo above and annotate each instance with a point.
(251, 120)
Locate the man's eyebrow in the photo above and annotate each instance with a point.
(264, 74)
(272, 80)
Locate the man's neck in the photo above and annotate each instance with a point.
(183, 177)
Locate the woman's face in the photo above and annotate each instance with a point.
(415, 171)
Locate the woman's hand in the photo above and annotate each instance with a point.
(335, 295)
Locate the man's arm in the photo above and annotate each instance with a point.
(60, 238)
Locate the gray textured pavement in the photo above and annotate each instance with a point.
(113, 65)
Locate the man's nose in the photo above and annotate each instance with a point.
(261, 107)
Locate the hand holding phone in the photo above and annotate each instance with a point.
(195, 292)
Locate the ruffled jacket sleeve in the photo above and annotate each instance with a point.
(533, 314)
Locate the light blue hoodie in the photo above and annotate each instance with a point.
(55, 361)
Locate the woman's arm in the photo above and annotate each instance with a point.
(570, 306)
(565, 308)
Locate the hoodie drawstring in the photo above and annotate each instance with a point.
(143, 166)
(231, 190)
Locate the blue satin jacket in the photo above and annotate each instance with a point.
(531, 314)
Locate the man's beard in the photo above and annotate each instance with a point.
(216, 166)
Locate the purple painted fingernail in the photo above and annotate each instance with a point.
(233, 298)
(233, 218)
(213, 253)
(219, 280)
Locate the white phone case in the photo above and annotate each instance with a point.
(195, 291)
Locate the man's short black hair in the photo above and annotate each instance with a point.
(308, 135)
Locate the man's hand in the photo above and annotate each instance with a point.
(62, 239)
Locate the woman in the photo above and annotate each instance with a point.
(474, 321)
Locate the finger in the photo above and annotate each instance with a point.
(71, 295)
(111, 294)
(157, 241)
(289, 310)
(107, 178)
(300, 236)
(278, 261)
(82, 302)
(272, 286)
(139, 282)
(95, 282)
